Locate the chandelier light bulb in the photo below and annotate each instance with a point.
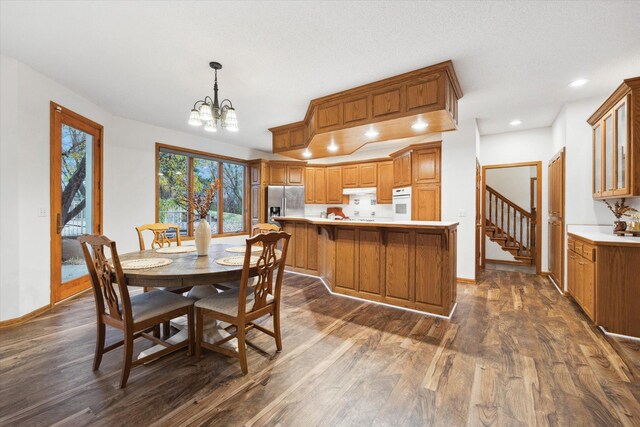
(231, 120)
(205, 112)
(210, 126)
(194, 118)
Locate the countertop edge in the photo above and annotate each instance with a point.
(451, 226)
(602, 242)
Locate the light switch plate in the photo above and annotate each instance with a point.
(43, 212)
(462, 213)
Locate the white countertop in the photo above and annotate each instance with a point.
(601, 234)
(377, 221)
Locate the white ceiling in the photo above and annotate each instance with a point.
(148, 61)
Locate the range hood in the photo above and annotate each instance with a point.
(359, 191)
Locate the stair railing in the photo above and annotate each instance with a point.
(512, 222)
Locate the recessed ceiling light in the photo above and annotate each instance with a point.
(371, 133)
(419, 125)
(306, 153)
(332, 147)
(578, 82)
(515, 122)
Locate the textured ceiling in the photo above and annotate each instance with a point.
(148, 61)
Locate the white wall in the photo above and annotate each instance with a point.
(458, 191)
(129, 179)
(571, 130)
(530, 145)
(513, 183)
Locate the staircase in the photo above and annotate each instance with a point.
(511, 226)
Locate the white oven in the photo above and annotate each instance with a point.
(402, 204)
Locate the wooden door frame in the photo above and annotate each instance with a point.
(563, 255)
(538, 165)
(55, 192)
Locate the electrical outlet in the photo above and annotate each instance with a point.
(43, 212)
(462, 213)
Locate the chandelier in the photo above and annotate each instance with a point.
(211, 113)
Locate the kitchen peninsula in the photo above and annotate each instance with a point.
(410, 264)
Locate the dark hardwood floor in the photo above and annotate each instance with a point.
(515, 353)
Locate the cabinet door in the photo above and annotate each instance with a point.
(290, 227)
(300, 237)
(320, 188)
(368, 175)
(255, 204)
(277, 174)
(597, 160)
(426, 166)
(426, 202)
(621, 114)
(312, 247)
(402, 171)
(350, 176)
(254, 172)
(309, 186)
(296, 137)
(588, 288)
(295, 175)
(281, 140)
(334, 184)
(385, 183)
(571, 273)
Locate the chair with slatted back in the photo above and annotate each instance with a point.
(135, 315)
(242, 307)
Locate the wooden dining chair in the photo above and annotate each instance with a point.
(160, 238)
(263, 227)
(134, 315)
(242, 307)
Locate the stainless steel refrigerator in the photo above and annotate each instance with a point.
(284, 201)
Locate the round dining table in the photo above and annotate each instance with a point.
(186, 268)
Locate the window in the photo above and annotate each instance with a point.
(179, 170)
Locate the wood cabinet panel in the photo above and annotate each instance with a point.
(334, 184)
(281, 140)
(386, 102)
(355, 110)
(297, 137)
(429, 266)
(402, 171)
(320, 187)
(310, 185)
(300, 236)
(254, 173)
(350, 176)
(426, 166)
(426, 202)
(397, 268)
(328, 116)
(290, 227)
(312, 247)
(422, 94)
(369, 260)
(295, 175)
(367, 175)
(255, 204)
(588, 276)
(346, 265)
(384, 193)
(277, 174)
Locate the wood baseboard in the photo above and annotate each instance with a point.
(465, 280)
(24, 317)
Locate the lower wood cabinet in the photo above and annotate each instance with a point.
(604, 279)
(303, 246)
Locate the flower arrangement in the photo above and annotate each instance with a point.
(619, 209)
(199, 203)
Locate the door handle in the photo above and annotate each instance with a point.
(59, 223)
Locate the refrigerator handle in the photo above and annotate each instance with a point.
(284, 206)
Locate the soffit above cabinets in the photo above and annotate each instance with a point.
(390, 107)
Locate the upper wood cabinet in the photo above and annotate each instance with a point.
(282, 173)
(258, 180)
(426, 166)
(334, 184)
(258, 172)
(384, 191)
(402, 170)
(315, 189)
(360, 175)
(350, 176)
(392, 105)
(616, 143)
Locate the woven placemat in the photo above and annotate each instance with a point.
(176, 249)
(242, 249)
(236, 260)
(142, 263)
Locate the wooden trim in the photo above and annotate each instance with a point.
(538, 165)
(413, 147)
(601, 243)
(58, 115)
(351, 162)
(612, 100)
(504, 261)
(160, 145)
(465, 280)
(25, 317)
